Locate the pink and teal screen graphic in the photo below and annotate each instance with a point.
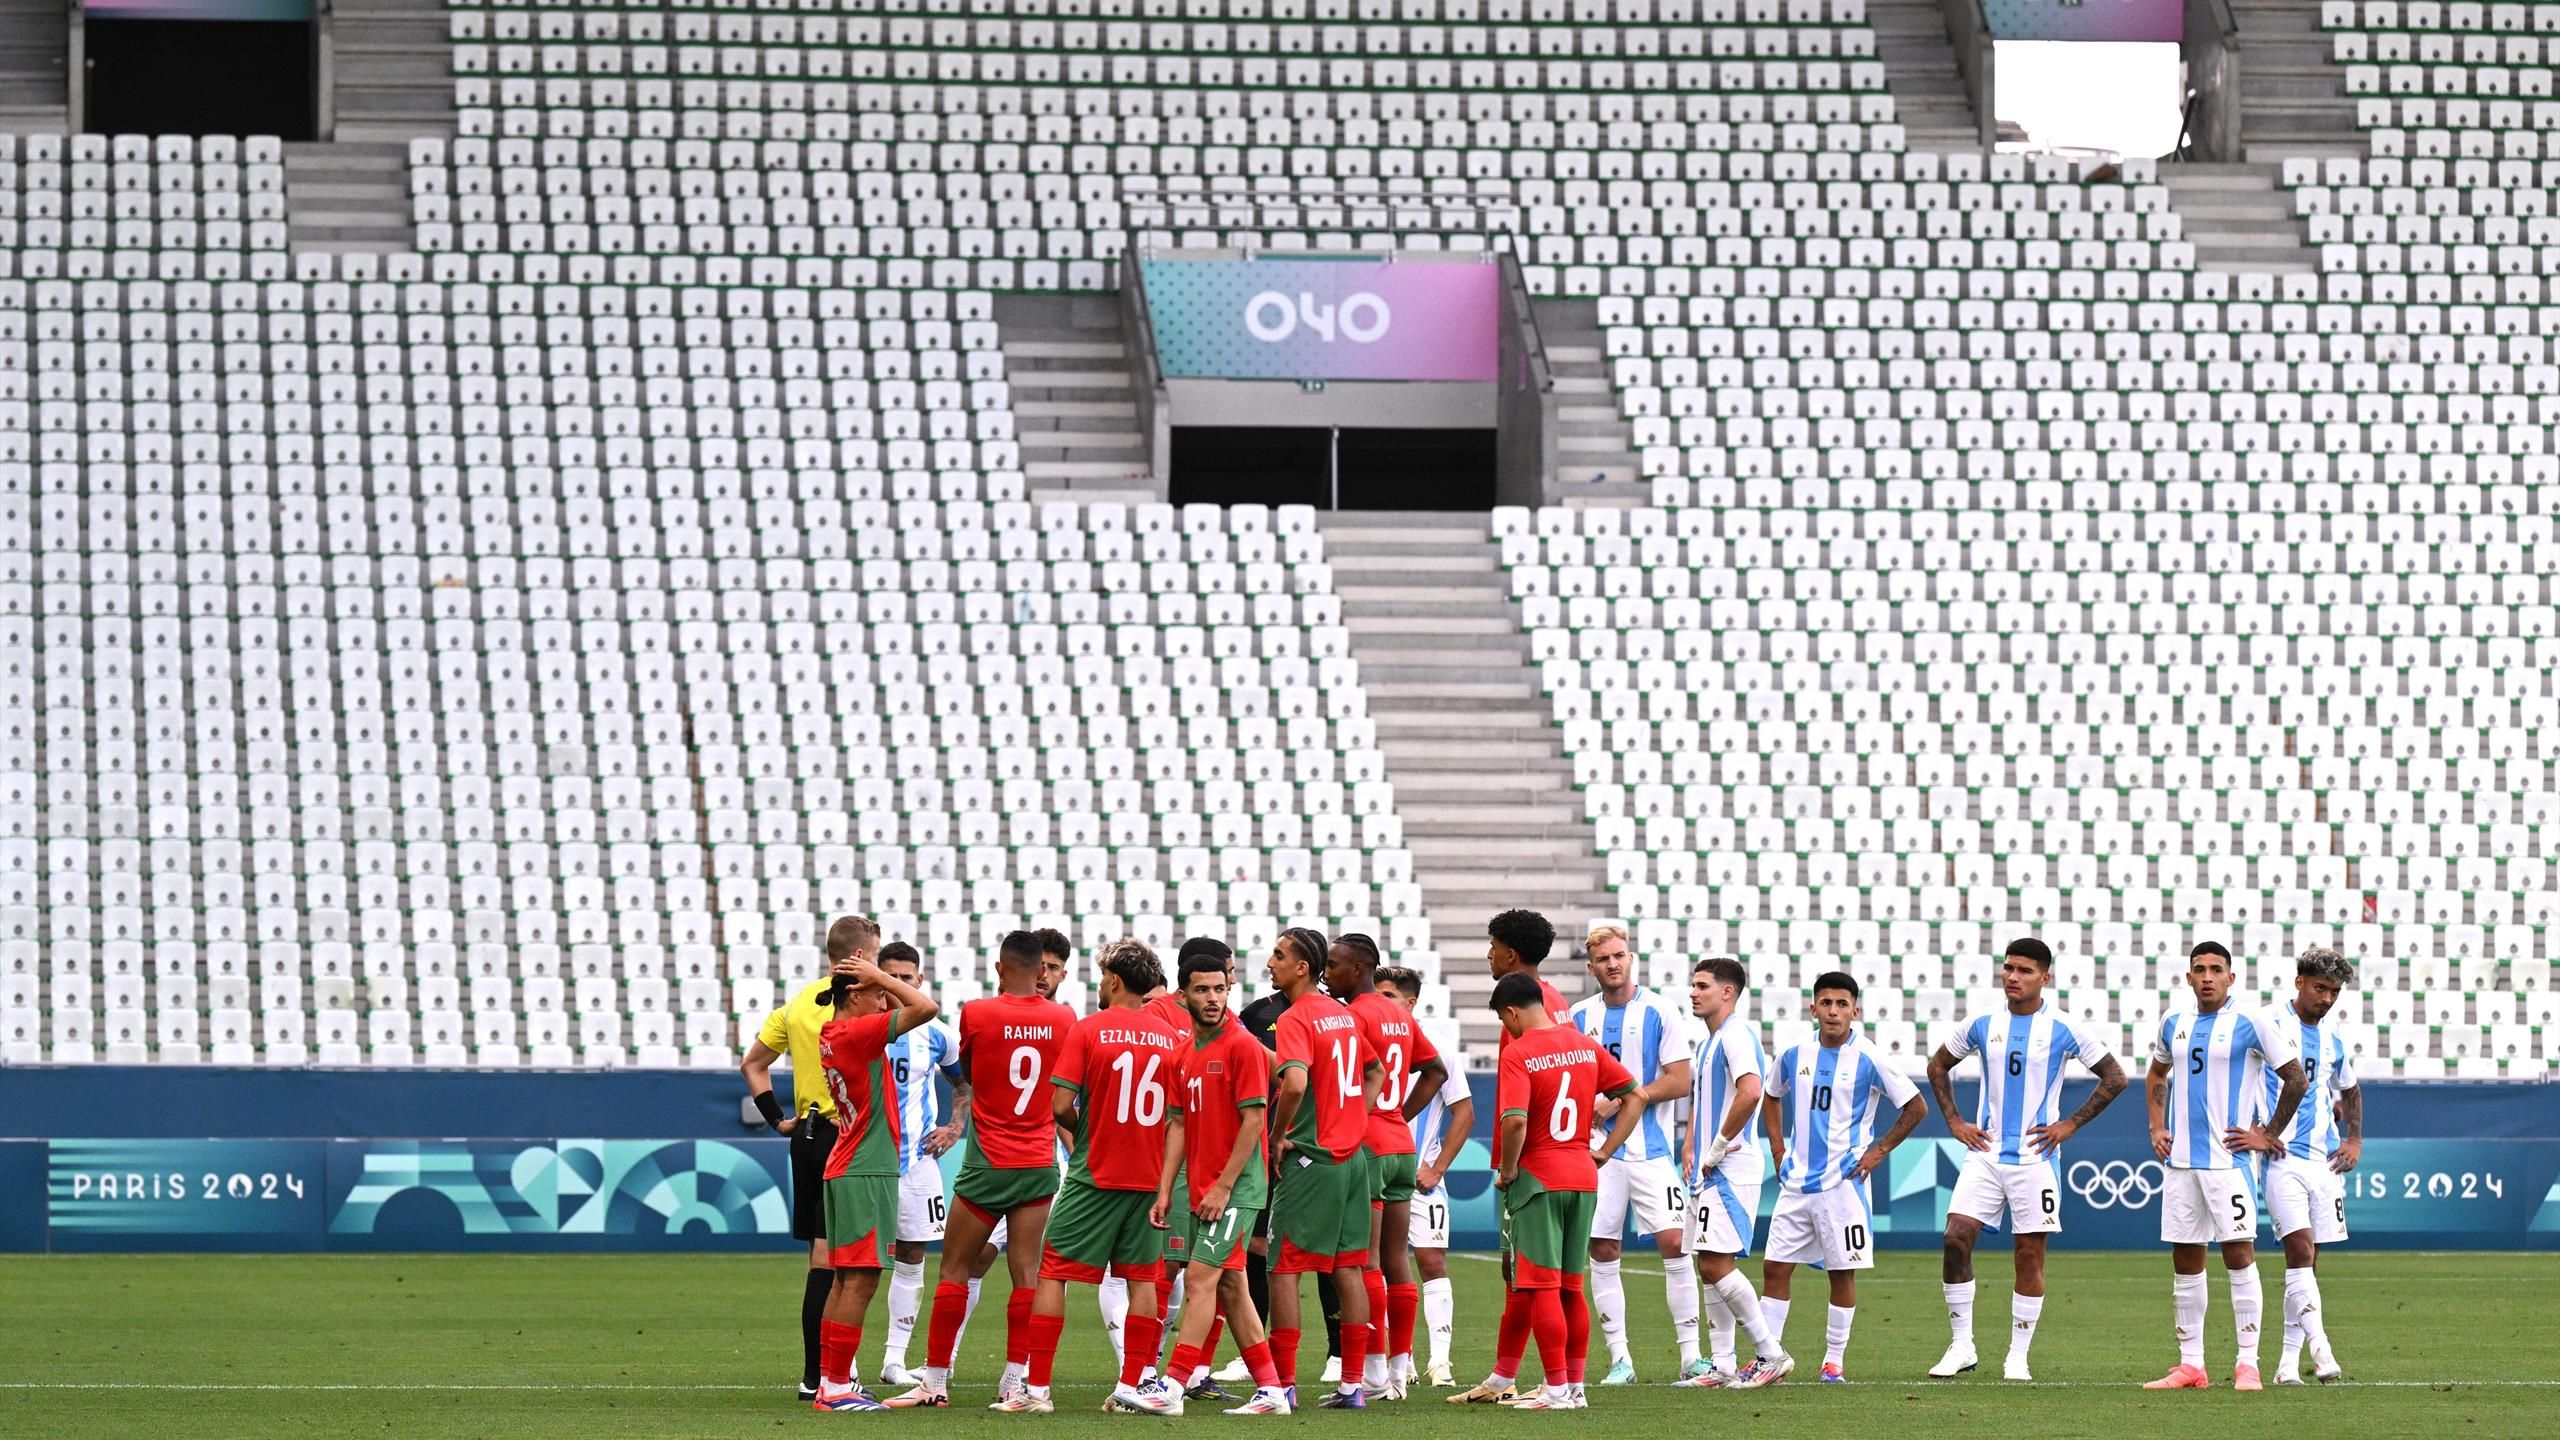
(1324, 319)
(2160, 21)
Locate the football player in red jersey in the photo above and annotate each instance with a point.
(1009, 1044)
(1550, 1080)
(1328, 1084)
(1114, 1086)
(1412, 1075)
(871, 1009)
(1517, 942)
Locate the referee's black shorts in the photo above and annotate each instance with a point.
(810, 1145)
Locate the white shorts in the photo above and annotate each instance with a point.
(2022, 1199)
(2207, 1207)
(1832, 1228)
(1650, 1188)
(2306, 1195)
(1720, 1223)
(922, 1207)
(1427, 1228)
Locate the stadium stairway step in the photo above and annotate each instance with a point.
(35, 59)
(2293, 99)
(391, 67)
(1487, 797)
(2237, 219)
(1929, 97)
(346, 195)
(1075, 414)
(1595, 446)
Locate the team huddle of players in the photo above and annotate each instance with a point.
(1156, 1145)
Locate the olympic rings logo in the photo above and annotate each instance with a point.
(2116, 1183)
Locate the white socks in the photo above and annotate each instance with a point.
(906, 1285)
(2024, 1311)
(2303, 1322)
(2188, 1306)
(1835, 1333)
(1959, 1309)
(1680, 1290)
(1764, 1319)
(2248, 1307)
(1609, 1302)
(1720, 1329)
(1439, 1316)
(1115, 1311)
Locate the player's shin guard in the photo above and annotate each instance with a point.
(1547, 1321)
(1378, 1350)
(1835, 1334)
(1577, 1331)
(813, 1312)
(1720, 1325)
(1045, 1330)
(1114, 1297)
(942, 1329)
(1138, 1353)
(2188, 1299)
(1959, 1298)
(1680, 1293)
(1440, 1316)
(1259, 1363)
(2303, 1322)
(837, 1345)
(2024, 1312)
(1355, 1352)
(1511, 1342)
(906, 1290)
(1609, 1297)
(1284, 1355)
(1017, 1327)
(1402, 1302)
(2248, 1311)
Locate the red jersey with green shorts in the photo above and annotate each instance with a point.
(1009, 1045)
(862, 1171)
(1123, 1065)
(1222, 1078)
(1320, 1212)
(1401, 1048)
(1553, 1078)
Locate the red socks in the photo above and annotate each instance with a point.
(837, 1345)
(1284, 1356)
(1577, 1330)
(942, 1332)
(1402, 1302)
(1138, 1345)
(1546, 1317)
(1186, 1358)
(1511, 1340)
(1377, 1286)
(1208, 1346)
(1257, 1358)
(1045, 1330)
(1017, 1327)
(1355, 1352)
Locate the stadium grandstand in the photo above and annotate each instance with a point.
(494, 565)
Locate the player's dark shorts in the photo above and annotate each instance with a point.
(1550, 1233)
(1320, 1214)
(862, 1219)
(1221, 1242)
(811, 1142)
(1092, 1230)
(1391, 1178)
(994, 1192)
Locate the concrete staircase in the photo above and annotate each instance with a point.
(1920, 69)
(348, 195)
(1478, 765)
(1075, 414)
(2238, 219)
(35, 51)
(394, 73)
(1595, 447)
(2293, 100)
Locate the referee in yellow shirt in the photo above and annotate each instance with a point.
(811, 1126)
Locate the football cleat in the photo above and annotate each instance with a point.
(1485, 1393)
(844, 1397)
(1440, 1377)
(2245, 1377)
(2288, 1375)
(1333, 1369)
(1544, 1399)
(1621, 1372)
(1235, 1372)
(808, 1390)
(2184, 1377)
(1208, 1390)
(1351, 1399)
(896, 1374)
(2015, 1368)
(1534, 1392)
(1831, 1374)
(932, 1396)
(1707, 1379)
(1268, 1400)
(1376, 1394)
(1153, 1398)
(1959, 1358)
(1766, 1370)
(1020, 1401)
(2324, 1365)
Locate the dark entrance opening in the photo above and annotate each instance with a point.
(200, 77)
(1333, 468)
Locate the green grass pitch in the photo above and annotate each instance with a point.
(607, 1345)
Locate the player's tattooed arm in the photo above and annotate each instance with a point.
(1914, 1110)
(2262, 1138)
(2350, 1130)
(2111, 1083)
(2155, 1094)
(1942, 1083)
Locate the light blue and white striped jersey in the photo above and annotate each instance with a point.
(1643, 1035)
(1430, 1127)
(915, 1056)
(1730, 1051)
(1832, 1097)
(2218, 1066)
(2023, 1059)
(2313, 1135)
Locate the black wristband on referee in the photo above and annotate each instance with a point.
(769, 1108)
